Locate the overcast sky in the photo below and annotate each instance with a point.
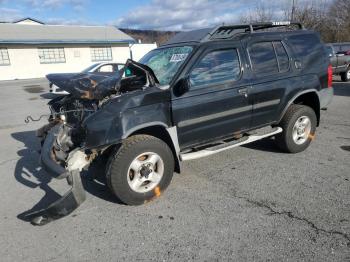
(139, 14)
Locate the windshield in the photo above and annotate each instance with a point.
(86, 70)
(166, 61)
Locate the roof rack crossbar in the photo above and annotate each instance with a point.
(228, 31)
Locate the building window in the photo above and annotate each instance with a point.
(51, 55)
(103, 53)
(4, 57)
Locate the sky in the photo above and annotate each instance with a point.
(137, 14)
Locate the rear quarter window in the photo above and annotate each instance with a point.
(304, 45)
(309, 50)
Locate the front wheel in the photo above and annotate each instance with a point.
(299, 126)
(345, 77)
(140, 170)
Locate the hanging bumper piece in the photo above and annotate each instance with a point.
(74, 197)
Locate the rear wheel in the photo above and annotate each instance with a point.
(140, 170)
(299, 126)
(346, 75)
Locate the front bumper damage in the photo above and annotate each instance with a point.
(76, 195)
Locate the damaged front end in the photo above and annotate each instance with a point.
(65, 151)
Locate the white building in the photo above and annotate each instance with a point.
(31, 49)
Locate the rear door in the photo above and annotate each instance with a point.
(217, 103)
(270, 64)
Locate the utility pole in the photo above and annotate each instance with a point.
(293, 10)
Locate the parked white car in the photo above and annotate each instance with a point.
(100, 68)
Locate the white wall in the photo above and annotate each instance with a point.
(28, 22)
(25, 61)
(139, 50)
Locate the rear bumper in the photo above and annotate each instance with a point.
(70, 200)
(326, 96)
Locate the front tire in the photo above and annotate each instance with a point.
(140, 170)
(299, 126)
(345, 77)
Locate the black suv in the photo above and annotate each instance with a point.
(203, 92)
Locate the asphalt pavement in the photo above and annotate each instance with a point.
(252, 203)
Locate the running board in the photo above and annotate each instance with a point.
(216, 149)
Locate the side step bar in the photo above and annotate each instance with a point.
(216, 149)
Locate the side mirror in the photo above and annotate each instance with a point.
(182, 86)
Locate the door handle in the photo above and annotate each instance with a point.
(243, 91)
(297, 64)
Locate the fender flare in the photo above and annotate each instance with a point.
(172, 133)
(142, 126)
(294, 98)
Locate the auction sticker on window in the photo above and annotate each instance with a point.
(178, 57)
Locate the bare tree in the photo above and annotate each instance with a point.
(330, 18)
(339, 21)
(260, 14)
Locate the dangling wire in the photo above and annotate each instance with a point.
(54, 115)
(30, 118)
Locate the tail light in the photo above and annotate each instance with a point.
(330, 76)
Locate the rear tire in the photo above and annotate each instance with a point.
(299, 126)
(345, 77)
(140, 170)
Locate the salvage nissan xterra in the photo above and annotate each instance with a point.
(203, 92)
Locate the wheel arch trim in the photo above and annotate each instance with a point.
(172, 133)
(142, 126)
(294, 98)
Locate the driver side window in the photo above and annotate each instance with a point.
(215, 68)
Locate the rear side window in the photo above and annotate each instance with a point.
(303, 45)
(215, 68)
(106, 69)
(282, 57)
(263, 58)
(309, 51)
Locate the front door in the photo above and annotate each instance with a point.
(217, 103)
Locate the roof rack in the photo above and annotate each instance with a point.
(228, 31)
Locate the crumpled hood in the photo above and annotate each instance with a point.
(97, 86)
(85, 85)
